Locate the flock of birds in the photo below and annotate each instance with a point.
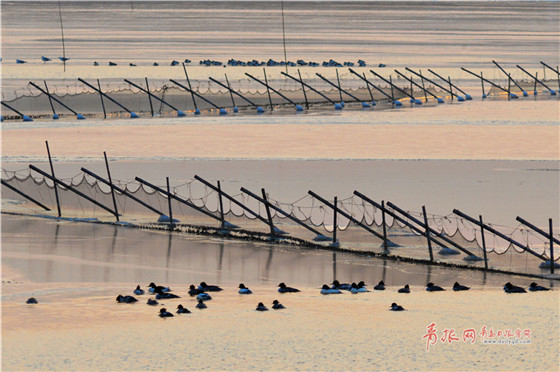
(201, 293)
(235, 62)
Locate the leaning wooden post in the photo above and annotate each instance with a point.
(221, 205)
(483, 242)
(303, 88)
(149, 97)
(267, 89)
(102, 103)
(334, 220)
(509, 87)
(392, 91)
(551, 247)
(268, 214)
(339, 87)
(111, 185)
(385, 245)
(482, 81)
(428, 233)
(423, 86)
(169, 204)
(55, 185)
(450, 87)
(368, 88)
(55, 116)
(535, 87)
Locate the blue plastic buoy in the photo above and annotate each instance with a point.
(299, 108)
(483, 96)
(337, 106)
(365, 104)
(27, 118)
(440, 100)
(235, 110)
(55, 117)
(418, 102)
(260, 110)
(398, 103)
(412, 100)
(513, 96)
(133, 115)
(165, 219)
(552, 93)
(535, 93)
(80, 117)
(525, 94)
(373, 103)
(461, 99)
(223, 111)
(197, 112)
(468, 97)
(180, 113)
(1, 118)
(342, 103)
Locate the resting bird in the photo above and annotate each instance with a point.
(283, 289)
(430, 287)
(459, 287)
(405, 289)
(533, 287)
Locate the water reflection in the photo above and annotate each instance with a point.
(51, 251)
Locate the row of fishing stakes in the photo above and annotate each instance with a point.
(406, 219)
(337, 105)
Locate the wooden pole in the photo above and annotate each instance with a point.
(391, 84)
(335, 209)
(367, 85)
(483, 242)
(303, 88)
(102, 103)
(149, 97)
(267, 89)
(428, 233)
(551, 246)
(268, 214)
(482, 82)
(55, 116)
(25, 195)
(221, 204)
(169, 204)
(55, 184)
(189, 84)
(230, 92)
(385, 245)
(423, 86)
(339, 88)
(111, 185)
(450, 86)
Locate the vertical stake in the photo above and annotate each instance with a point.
(267, 89)
(450, 87)
(268, 212)
(551, 247)
(423, 86)
(221, 205)
(509, 87)
(385, 246)
(190, 88)
(303, 88)
(482, 81)
(111, 185)
(335, 210)
(368, 88)
(483, 242)
(149, 97)
(535, 87)
(392, 92)
(55, 184)
(428, 233)
(102, 103)
(171, 225)
(230, 92)
(50, 99)
(339, 87)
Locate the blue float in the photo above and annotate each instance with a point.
(337, 106)
(461, 99)
(27, 118)
(223, 111)
(397, 103)
(260, 110)
(439, 100)
(373, 103)
(513, 96)
(80, 117)
(468, 97)
(197, 112)
(552, 92)
(180, 113)
(342, 103)
(133, 115)
(365, 104)
(417, 101)
(235, 109)
(55, 116)
(525, 94)
(1, 118)
(299, 108)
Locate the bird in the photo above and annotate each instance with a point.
(182, 310)
(356, 289)
(208, 288)
(430, 287)
(126, 299)
(201, 305)
(533, 287)
(95, 63)
(405, 289)
(132, 64)
(112, 63)
(138, 291)
(261, 307)
(20, 61)
(510, 288)
(395, 307)
(160, 295)
(243, 289)
(152, 302)
(193, 291)
(31, 300)
(163, 313)
(380, 286)
(203, 297)
(325, 290)
(45, 59)
(459, 287)
(63, 59)
(345, 286)
(283, 289)
(156, 64)
(276, 305)
(153, 288)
